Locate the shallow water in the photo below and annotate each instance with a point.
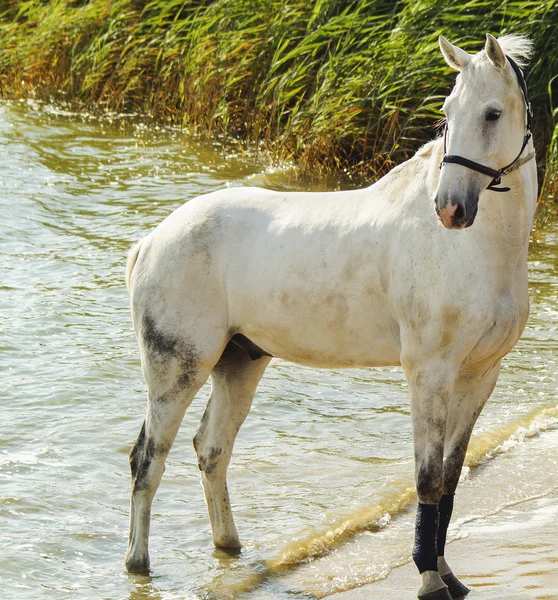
(322, 455)
(503, 549)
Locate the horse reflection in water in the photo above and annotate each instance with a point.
(427, 269)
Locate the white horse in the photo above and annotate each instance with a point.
(347, 279)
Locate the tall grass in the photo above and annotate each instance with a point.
(345, 85)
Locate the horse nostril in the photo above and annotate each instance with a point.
(459, 214)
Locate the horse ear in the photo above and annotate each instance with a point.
(494, 52)
(455, 57)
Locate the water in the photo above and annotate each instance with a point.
(322, 465)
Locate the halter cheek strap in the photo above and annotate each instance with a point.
(497, 174)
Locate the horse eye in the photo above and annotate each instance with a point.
(493, 115)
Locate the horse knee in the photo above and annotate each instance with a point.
(209, 461)
(429, 483)
(209, 454)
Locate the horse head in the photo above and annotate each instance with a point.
(488, 125)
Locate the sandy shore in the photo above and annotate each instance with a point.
(512, 555)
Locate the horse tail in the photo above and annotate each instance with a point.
(132, 259)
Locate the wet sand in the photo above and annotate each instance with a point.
(512, 555)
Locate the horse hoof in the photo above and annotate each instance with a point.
(456, 589)
(232, 552)
(230, 544)
(137, 566)
(439, 594)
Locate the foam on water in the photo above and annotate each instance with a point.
(488, 446)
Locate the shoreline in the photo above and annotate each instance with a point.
(512, 555)
(502, 541)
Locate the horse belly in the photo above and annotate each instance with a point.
(329, 333)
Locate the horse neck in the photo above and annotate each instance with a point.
(508, 216)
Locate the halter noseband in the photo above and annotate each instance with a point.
(497, 174)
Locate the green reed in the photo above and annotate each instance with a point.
(349, 86)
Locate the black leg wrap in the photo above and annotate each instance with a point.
(446, 508)
(426, 529)
(441, 594)
(455, 587)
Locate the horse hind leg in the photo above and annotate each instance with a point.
(174, 373)
(233, 384)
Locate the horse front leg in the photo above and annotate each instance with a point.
(431, 386)
(469, 397)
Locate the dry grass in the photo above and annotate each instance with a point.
(349, 86)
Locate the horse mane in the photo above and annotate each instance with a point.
(519, 47)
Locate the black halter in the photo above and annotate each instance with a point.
(496, 174)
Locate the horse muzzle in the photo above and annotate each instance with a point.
(457, 213)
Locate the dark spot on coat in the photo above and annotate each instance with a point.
(141, 456)
(214, 453)
(286, 300)
(197, 438)
(140, 460)
(206, 467)
(201, 429)
(437, 425)
(164, 347)
(135, 453)
(155, 340)
(453, 465)
(450, 319)
(208, 461)
(429, 483)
